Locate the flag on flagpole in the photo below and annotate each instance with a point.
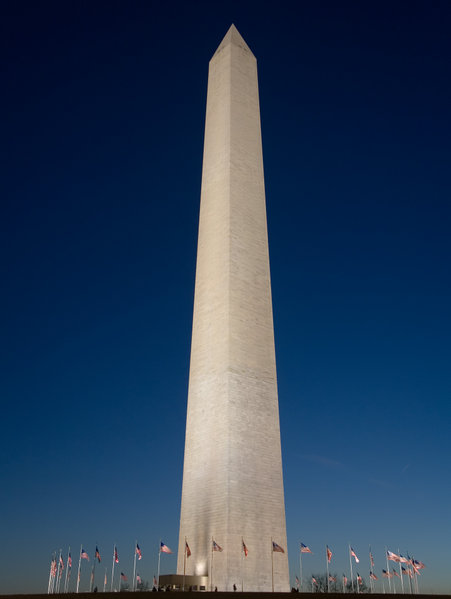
(138, 551)
(418, 564)
(403, 560)
(245, 549)
(123, 576)
(305, 549)
(393, 557)
(84, 555)
(277, 548)
(187, 549)
(104, 580)
(371, 560)
(155, 582)
(328, 553)
(332, 578)
(138, 579)
(61, 562)
(394, 573)
(164, 548)
(345, 579)
(386, 574)
(116, 557)
(97, 555)
(314, 581)
(373, 576)
(216, 547)
(69, 561)
(354, 556)
(297, 581)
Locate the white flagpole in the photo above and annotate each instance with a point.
(272, 564)
(388, 570)
(67, 571)
(350, 566)
(400, 574)
(184, 565)
(93, 571)
(159, 558)
(300, 566)
(211, 565)
(104, 581)
(79, 566)
(327, 567)
(242, 557)
(50, 576)
(58, 567)
(134, 566)
(112, 568)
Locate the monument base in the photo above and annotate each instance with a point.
(178, 582)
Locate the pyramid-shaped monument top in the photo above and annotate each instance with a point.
(233, 37)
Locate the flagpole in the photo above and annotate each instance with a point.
(400, 574)
(134, 565)
(93, 571)
(350, 566)
(327, 568)
(67, 570)
(343, 583)
(79, 566)
(159, 558)
(50, 576)
(272, 564)
(58, 566)
(388, 570)
(300, 566)
(211, 565)
(242, 555)
(184, 565)
(112, 568)
(104, 581)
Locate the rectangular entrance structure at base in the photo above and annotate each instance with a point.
(232, 493)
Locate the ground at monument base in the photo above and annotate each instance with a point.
(218, 595)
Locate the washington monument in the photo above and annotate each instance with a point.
(233, 514)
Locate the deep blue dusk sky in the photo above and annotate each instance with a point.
(103, 108)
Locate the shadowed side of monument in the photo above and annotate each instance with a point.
(232, 480)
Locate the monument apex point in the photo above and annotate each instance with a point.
(234, 37)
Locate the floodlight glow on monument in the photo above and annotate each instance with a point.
(232, 479)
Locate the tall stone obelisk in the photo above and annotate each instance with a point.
(232, 478)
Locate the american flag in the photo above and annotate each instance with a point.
(371, 560)
(84, 555)
(394, 573)
(328, 553)
(104, 580)
(187, 549)
(386, 574)
(69, 561)
(245, 549)
(373, 576)
(359, 578)
(277, 548)
(97, 555)
(164, 548)
(116, 557)
(332, 578)
(418, 564)
(305, 549)
(314, 581)
(123, 576)
(138, 579)
(138, 551)
(216, 547)
(345, 579)
(61, 562)
(354, 556)
(393, 557)
(403, 559)
(297, 581)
